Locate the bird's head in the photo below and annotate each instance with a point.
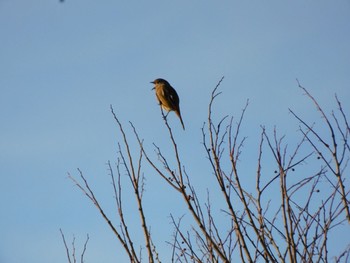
(159, 81)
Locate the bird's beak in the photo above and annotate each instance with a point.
(152, 82)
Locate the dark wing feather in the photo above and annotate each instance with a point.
(172, 97)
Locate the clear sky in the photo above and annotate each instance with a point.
(63, 64)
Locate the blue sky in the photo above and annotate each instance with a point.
(63, 65)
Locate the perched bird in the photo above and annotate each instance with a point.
(167, 97)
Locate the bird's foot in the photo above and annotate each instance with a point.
(165, 116)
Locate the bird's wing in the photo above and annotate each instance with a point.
(171, 96)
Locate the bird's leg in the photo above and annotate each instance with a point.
(164, 115)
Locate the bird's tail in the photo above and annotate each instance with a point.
(178, 113)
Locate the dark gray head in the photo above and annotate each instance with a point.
(160, 81)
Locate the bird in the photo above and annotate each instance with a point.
(167, 97)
